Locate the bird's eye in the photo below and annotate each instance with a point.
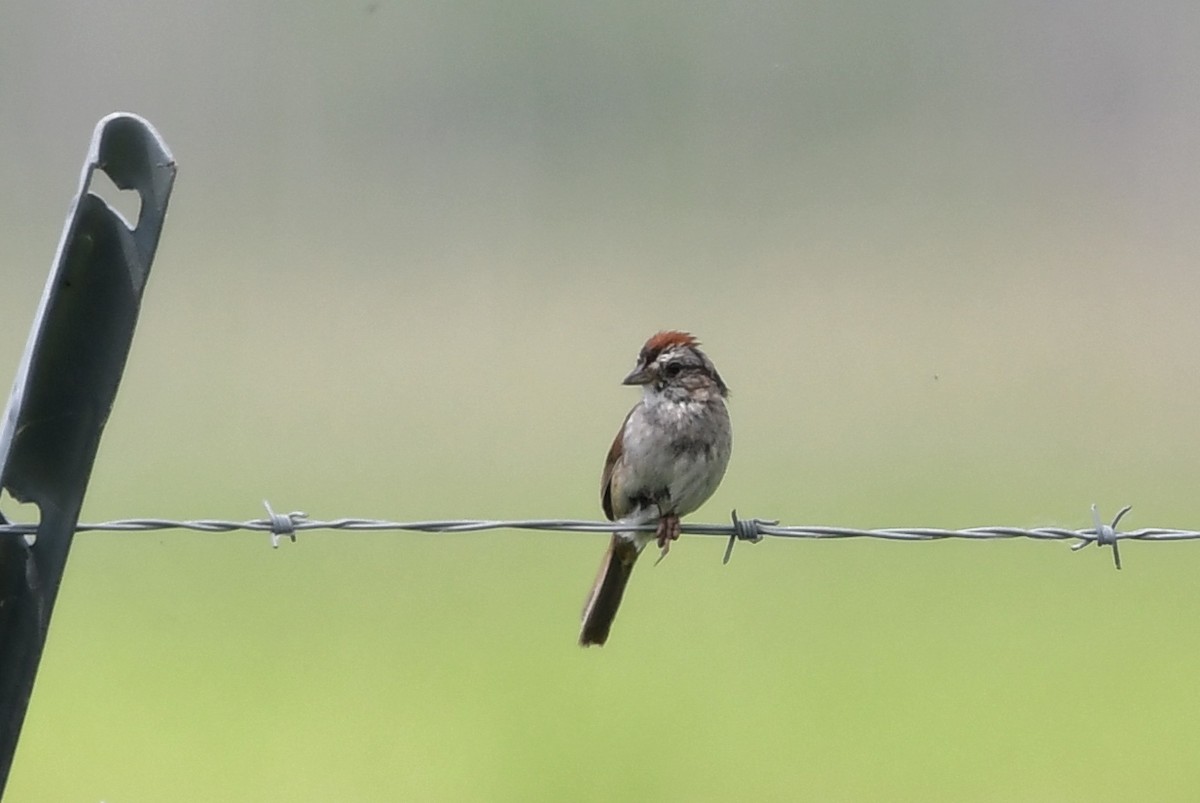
(672, 370)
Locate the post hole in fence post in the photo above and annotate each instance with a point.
(65, 387)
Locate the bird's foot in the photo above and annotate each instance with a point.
(668, 531)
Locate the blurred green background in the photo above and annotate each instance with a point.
(945, 254)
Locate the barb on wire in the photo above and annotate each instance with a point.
(1105, 534)
(743, 530)
(752, 530)
(286, 525)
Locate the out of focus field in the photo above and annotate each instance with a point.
(946, 257)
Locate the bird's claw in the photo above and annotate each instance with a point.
(668, 531)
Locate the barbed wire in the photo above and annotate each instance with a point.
(280, 526)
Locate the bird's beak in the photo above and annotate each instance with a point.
(638, 376)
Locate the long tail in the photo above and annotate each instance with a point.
(605, 598)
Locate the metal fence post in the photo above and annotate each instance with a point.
(64, 390)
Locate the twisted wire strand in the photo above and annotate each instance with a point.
(739, 529)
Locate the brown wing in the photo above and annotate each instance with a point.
(610, 464)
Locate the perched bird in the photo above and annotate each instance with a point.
(666, 460)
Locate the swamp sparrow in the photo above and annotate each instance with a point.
(666, 460)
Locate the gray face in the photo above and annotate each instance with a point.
(678, 370)
(688, 368)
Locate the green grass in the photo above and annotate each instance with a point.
(444, 667)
